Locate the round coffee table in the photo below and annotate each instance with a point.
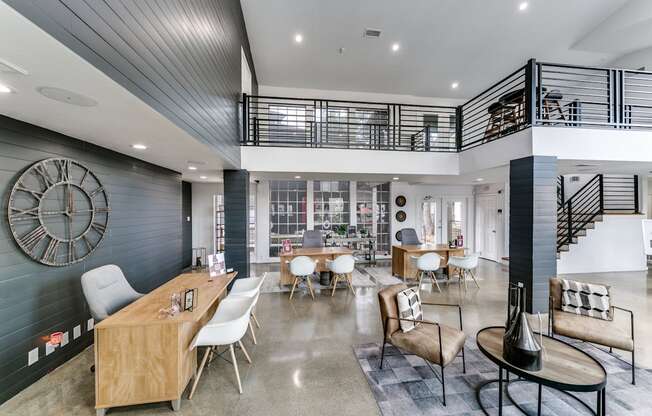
(565, 368)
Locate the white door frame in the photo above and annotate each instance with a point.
(480, 228)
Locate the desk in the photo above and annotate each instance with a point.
(141, 358)
(403, 266)
(320, 254)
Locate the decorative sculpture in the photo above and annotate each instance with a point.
(520, 347)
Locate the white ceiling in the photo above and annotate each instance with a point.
(119, 120)
(475, 42)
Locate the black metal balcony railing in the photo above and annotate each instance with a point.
(537, 94)
(296, 122)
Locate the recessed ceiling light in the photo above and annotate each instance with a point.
(192, 167)
(455, 84)
(298, 38)
(479, 179)
(395, 47)
(395, 178)
(4, 88)
(139, 146)
(523, 6)
(297, 177)
(203, 177)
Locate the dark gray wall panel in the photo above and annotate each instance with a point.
(181, 57)
(533, 226)
(236, 221)
(144, 238)
(186, 220)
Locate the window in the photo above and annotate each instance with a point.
(287, 213)
(218, 205)
(287, 122)
(331, 202)
(372, 212)
(455, 219)
(252, 221)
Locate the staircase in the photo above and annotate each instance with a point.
(601, 195)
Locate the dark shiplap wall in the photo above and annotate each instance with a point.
(533, 227)
(144, 239)
(236, 221)
(181, 57)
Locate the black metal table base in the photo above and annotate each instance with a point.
(600, 409)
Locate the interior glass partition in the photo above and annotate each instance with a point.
(331, 202)
(288, 219)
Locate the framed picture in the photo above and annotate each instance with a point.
(287, 246)
(189, 298)
(216, 265)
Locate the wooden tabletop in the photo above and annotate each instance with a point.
(146, 309)
(564, 366)
(414, 248)
(317, 251)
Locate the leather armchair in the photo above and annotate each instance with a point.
(617, 333)
(434, 342)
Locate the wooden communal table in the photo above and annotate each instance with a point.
(320, 254)
(403, 266)
(143, 358)
(564, 368)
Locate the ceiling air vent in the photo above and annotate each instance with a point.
(371, 33)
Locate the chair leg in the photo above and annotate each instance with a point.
(253, 334)
(199, 371)
(244, 350)
(382, 354)
(294, 285)
(235, 367)
(349, 279)
(253, 315)
(312, 294)
(434, 279)
(463, 362)
(474, 279)
(335, 279)
(443, 385)
(420, 272)
(633, 369)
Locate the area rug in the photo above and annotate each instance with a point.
(407, 386)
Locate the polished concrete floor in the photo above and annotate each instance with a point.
(303, 363)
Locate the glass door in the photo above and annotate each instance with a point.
(430, 219)
(455, 219)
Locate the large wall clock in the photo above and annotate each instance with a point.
(58, 211)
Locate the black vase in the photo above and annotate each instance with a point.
(520, 347)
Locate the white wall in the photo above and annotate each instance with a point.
(202, 214)
(615, 245)
(356, 96)
(501, 191)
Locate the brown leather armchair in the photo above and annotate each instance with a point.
(435, 343)
(613, 334)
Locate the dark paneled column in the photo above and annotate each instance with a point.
(236, 221)
(186, 224)
(533, 227)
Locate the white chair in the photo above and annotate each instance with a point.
(226, 327)
(464, 265)
(427, 265)
(342, 267)
(250, 288)
(302, 268)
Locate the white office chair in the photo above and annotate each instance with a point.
(302, 267)
(427, 265)
(342, 267)
(464, 265)
(226, 327)
(249, 287)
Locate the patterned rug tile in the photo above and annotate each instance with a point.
(408, 386)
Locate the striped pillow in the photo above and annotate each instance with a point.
(409, 307)
(586, 299)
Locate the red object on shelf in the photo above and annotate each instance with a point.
(55, 338)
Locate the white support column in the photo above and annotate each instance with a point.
(310, 206)
(262, 222)
(353, 203)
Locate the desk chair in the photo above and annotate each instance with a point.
(312, 239)
(464, 265)
(107, 290)
(302, 268)
(342, 267)
(249, 288)
(226, 327)
(409, 237)
(427, 265)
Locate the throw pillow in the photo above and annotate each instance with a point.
(586, 299)
(409, 307)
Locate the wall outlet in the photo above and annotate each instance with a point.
(32, 356)
(65, 339)
(90, 324)
(49, 349)
(76, 332)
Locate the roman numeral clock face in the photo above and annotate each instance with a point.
(58, 212)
